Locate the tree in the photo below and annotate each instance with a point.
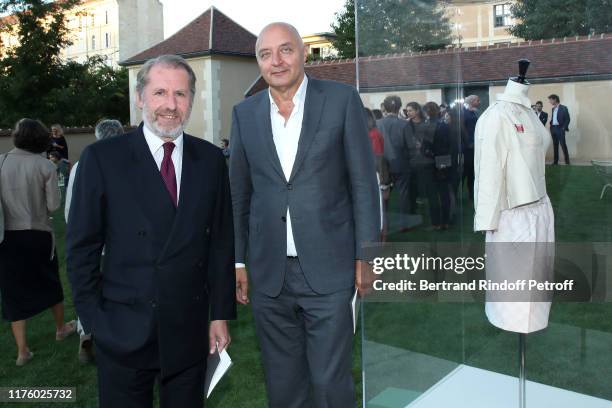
(36, 83)
(541, 19)
(344, 27)
(31, 69)
(392, 26)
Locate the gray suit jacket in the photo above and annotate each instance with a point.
(397, 135)
(332, 191)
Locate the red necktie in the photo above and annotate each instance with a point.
(167, 171)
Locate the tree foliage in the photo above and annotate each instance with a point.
(542, 19)
(391, 26)
(344, 28)
(36, 83)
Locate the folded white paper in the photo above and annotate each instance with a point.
(355, 303)
(217, 365)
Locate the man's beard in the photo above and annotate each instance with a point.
(151, 124)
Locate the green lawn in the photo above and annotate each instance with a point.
(571, 354)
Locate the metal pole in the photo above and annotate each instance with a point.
(522, 375)
(356, 47)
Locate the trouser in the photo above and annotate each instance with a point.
(558, 137)
(468, 171)
(441, 210)
(306, 344)
(426, 187)
(121, 386)
(402, 186)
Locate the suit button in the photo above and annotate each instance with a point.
(289, 186)
(284, 218)
(153, 304)
(142, 233)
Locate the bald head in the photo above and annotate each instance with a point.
(281, 56)
(288, 28)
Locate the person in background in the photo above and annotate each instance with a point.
(443, 110)
(559, 124)
(470, 116)
(543, 116)
(58, 141)
(225, 148)
(382, 168)
(106, 128)
(454, 121)
(421, 158)
(382, 110)
(63, 170)
(378, 114)
(29, 273)
(441, 151)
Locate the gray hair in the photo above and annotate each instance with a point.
(289, 28)
(108, 128)
(168, 60)
(471, 99)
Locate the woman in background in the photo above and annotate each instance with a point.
(58, 141)
(441, 151)
(29, 276)
(382, 168)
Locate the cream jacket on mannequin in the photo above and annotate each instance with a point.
(509, 158)
(512, 207)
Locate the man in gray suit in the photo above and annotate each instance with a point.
(398, 141)
(305, 200)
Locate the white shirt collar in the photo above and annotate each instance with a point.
(298, 98)
(155, 142)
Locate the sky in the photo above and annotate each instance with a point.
(308, 16)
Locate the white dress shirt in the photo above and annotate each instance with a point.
(286, 137)
(555, 122)
(156, 145)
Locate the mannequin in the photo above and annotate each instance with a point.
(512, 206)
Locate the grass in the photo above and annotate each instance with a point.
(570, 354)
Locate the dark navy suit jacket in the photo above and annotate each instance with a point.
(563, 117)
(166, 270)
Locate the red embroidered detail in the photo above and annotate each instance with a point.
(519, 128)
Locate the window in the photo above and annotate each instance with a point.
(107, 40)
(93, 42)
(502, 15)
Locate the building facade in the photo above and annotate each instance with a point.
(320, 46)
(110, 29)
(480, 22)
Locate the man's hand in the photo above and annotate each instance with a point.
(364, 277)
(218, 335)
(242, 286)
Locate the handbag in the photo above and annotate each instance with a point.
(443, 161)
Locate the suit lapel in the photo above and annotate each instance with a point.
(313, 106)
(264, 127)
